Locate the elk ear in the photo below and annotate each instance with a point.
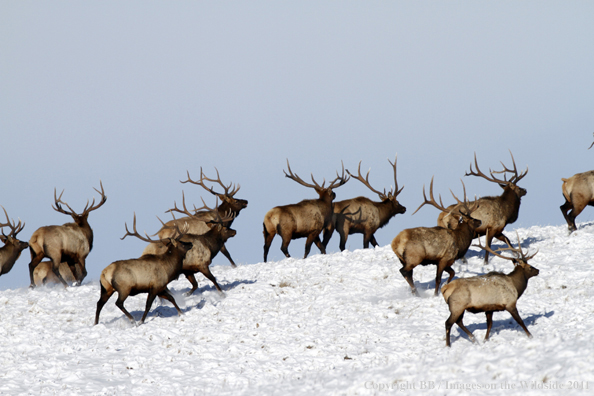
(503, 185)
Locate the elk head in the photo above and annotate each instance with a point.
(326, 193)
(227, 197)
(11, 238)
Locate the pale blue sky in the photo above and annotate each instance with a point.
(136, 93)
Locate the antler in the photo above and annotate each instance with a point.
(147, 238)
(229, 191)
(365, 181)
(396, 190)
(432, 202)
(299, 180)
(516, 251)
(14, 228)
(514, 180)
(86, 210)
(204, 209)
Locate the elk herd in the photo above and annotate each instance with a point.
(188, 244)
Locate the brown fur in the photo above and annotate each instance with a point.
(44, 275)
(488, 293)
(578, 192)
(11, 251)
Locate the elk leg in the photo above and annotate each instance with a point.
(149, 303)
(120, 304)
(448, 325)
(206, 272)
(192, 280)
(568, 218)
(373, 241)
(226, 254)
(166, 294)
(83, 268)
(268, 237)
(56, 271)
(35, 260)
(327, 235)
(461, 325)
(319, 244)
(408, 275)
(366, 240)
(308, 243)
(489, 315)
(440, 268)
(576, 209)
(488, 239)
(514, 313)
(105, 295)
(451, 272)
(285, 246)
(343, 240)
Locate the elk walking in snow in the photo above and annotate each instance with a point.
(494, 212)
(44, 275)
(199, 223)
(70, 242)
(372, 215)
(205, 246)
(10, 252)
(436, 245)
(305, 219)
(150, 273)
(489, 293)
(578, 191)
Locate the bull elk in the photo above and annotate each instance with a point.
(305, 219)
(374, 215)
(229, 208)
(578, 191)
(70, 242)
(436, 245)
(489, 293)
(494, 212)
(150, 273)
(11, 251)
(205, 246)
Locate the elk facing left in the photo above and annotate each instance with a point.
(70, 242)
(10, 252)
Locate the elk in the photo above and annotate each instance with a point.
(205, 246)
(494, 212)
(229, 208)
(489, 293)
(436, 245)
(150, 273)
(70, 242)
(578, 191)
(375, 214)
(10, 252)
(44, 274)
(305, 219)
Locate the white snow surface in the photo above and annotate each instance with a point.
(342, 323)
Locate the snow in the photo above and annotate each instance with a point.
(342, 323)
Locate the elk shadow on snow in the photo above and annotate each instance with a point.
(505, 323)
(209, 287)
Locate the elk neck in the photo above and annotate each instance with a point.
(519, 279)
(510, 204)
(388, 209)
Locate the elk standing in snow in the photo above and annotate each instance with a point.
(44, 274)
(305, 219)
(70, 242)
(375, 214)
(494, 212)
(205, 246)
(150, 273)
(578, 191)
(10, 252)
(489, 293)
(197, 225)
(436, 245)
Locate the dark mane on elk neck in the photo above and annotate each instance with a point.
(305, 219)
(11, 251)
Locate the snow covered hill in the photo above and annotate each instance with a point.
(342, 323)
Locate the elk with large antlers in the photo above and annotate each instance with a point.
(197, 225)
(371, 215)
(70, 242)
(305, 219)
(436, 245)
(489, 293)
(10, 252)
(578, 191)
(494, 212)
(150, 273)
(205, 246)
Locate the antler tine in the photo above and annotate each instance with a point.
(432, 201)
(396, 191)
(365, 181)
(136, 234)
(341, 179)
(14, 227)
(182, 211)
(296, 178)
(58, 201)
(481, 174)
(103, 199)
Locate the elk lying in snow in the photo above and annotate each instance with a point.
(494, 212)
(489, 293)
(205, 246)
(305, 219)
(375, 214)
(197, 225)
(150, 273)
(578, 191)
(44, 274)
(436, 245)
(10, 252)
(70, 242)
